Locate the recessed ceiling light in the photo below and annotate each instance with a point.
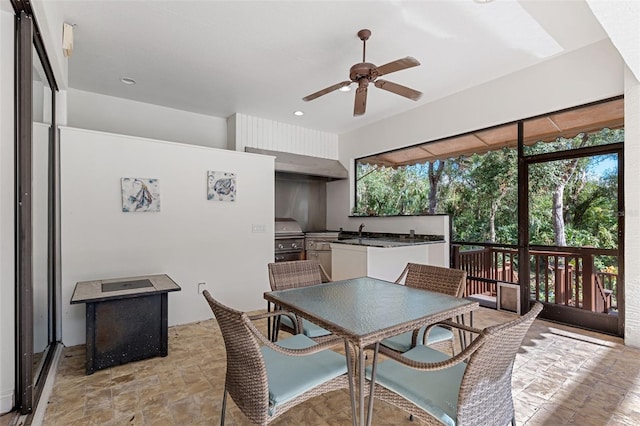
(298, 113)
(127, 80)
(345, 89)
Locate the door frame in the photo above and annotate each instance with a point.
(555, 312)
(28, 42)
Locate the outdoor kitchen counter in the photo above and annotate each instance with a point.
(388, 242)
(385, 256)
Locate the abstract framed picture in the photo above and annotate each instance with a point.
(140, 195)
(221, 186)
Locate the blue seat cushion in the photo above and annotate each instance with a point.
(434, 391)
(309, 329)
(291, 376)
(402, 342)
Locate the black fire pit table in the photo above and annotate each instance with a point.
(126, 318)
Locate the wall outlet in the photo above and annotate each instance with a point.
(202, 287)
(257, 229)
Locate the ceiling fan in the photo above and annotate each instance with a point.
(364, 73)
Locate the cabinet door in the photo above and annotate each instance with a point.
(348, 262)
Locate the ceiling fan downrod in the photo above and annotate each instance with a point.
(364, 36)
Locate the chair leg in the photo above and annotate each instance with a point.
(224, 405)
(276, 329)
(269, 320)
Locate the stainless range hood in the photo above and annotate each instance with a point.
(304, 164)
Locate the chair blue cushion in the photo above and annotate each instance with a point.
(291, 376)
(402, 342)
(434, 391)
(309, 329)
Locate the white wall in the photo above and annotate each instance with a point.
(245, 130)
(87, 110)
(191, 239)
(7, 229)
(621, 21)
(632, 209)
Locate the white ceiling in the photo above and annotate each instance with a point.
(261, 57)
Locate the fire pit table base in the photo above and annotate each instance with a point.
(125, 325)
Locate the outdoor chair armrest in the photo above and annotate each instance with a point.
(269, 314)
(292, 352)
(434, 366)
(447, 323)
(453, 324)
(294, 318)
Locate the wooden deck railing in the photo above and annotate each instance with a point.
(569, 277)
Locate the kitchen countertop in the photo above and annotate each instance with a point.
(385, 240)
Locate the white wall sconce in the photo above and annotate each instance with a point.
(67, 39)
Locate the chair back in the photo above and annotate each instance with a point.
(296, 273)
(435, 278)
(246, 378)
(485, 392)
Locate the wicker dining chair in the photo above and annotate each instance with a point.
(434, 278)
(471, 388)
(266, 381)
(295, 274)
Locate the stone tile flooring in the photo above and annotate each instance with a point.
(562, 375)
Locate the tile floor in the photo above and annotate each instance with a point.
(561, 376)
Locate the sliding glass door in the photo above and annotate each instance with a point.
(35, 210)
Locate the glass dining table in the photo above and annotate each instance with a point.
(364, 311)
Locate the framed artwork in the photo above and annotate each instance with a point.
(221, 186)
(140, 195)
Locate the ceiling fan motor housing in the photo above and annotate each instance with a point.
(363, 69)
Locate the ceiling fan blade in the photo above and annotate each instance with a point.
(360, 105)
(325, 91)
(397, 65)
(398, 89)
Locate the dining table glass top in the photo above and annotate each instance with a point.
(362, 307)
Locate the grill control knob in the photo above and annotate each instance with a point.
(280, 246)
(294, 245)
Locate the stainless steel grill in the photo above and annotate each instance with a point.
(289, 240)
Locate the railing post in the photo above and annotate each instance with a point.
(455, 256)
(456, 263)
(588, 283)
(559, 276)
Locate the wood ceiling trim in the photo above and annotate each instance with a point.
(553, 123)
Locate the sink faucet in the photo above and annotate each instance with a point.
(360, 229)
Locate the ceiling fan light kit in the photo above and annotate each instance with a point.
(364, 73)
